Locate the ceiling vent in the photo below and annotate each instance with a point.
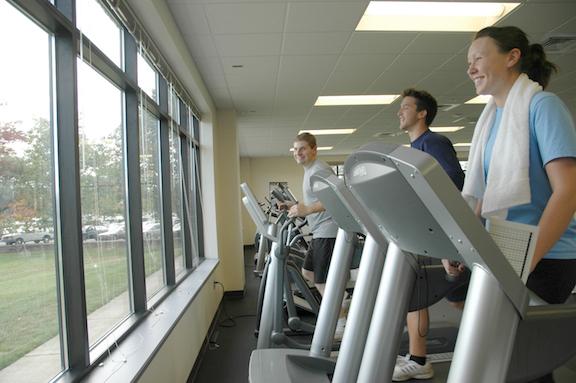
(560, 43)
(447, 107)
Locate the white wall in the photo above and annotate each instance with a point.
(227, 176)
(248, 226)
(220, 199)
(176, 357)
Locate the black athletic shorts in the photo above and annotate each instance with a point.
(459, 294)
(553, 279)
(318, 258)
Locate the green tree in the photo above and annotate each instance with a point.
(102, 176)
(36, 179)
(10, 138)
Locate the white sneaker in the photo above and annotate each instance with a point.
(340, 326)
(407, 369)
(401, 360)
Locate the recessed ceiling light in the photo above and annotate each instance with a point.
(382, 99)
(482, 99)
(324, 132)
(462, 146)
(431, 16)
(319, 148)
(446, 129)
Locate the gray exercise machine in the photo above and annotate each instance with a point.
(282, 274)
(278, 194)
(417, 208)
(287, 365)
(293, 366)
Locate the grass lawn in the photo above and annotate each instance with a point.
(28, 302)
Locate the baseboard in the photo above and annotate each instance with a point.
(236, 294)
(204, 348)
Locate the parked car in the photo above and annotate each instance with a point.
(115, 231)
(20, 238)
(91, 232)
(177, 229)
(151, 230)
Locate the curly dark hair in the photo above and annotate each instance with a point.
(424, 101)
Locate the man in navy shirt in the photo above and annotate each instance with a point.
(417, 111)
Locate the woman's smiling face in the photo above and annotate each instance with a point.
(491, 70)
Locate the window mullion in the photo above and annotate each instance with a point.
(165, 131)
(133, 190)
(67, 196)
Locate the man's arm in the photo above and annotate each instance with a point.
(285, 205)
(301, 210)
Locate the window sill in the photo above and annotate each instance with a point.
(129, 360)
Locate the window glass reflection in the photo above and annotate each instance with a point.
(147, 78)
(151, 202)
(29, 324)
(176, 187)
(174, 106)
(194, 205)
(102, 198)
(100, 28)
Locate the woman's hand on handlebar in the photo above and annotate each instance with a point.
(453, 268)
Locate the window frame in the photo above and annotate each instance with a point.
(58, 19)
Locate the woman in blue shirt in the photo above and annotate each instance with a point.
(503, 64)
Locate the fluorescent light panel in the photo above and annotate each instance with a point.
(462, 147)
(382, 99)
(324, 132)
(319, 148)
(446, 129)
(482, 99)
(431, 16)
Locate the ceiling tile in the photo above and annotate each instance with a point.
(248, 44)
(537, 18)
(305, 72)
(293, 51)
(379, 42)
(233, 18)
(314, 43)
(417, 63)
(323, 17)
(190, 18)
(569, 27)
(438, 82)
(440, 42)
(359, 69)
(252, 67)
(201, 45)
(393, 82)
(455, 64)
(211, 69)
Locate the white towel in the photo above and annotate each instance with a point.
(508, 181)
